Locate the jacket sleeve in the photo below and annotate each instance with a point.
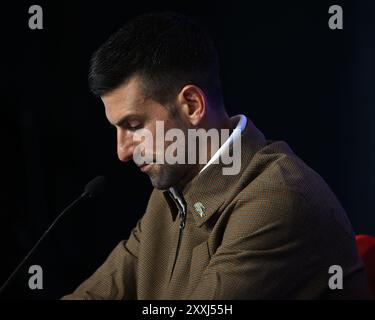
(116, 277)
(266, 250)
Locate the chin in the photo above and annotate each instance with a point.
(160, 185)
(166, 176)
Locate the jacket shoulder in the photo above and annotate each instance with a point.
(277, 179)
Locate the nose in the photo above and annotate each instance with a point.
(125, 145)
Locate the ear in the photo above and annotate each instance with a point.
(192, 103)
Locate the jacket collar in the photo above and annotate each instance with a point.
(207, 192)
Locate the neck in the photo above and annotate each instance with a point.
(218, 121)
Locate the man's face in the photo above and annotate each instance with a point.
(128, 110)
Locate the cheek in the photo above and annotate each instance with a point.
(157, 130)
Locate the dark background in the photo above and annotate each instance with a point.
(282, 66)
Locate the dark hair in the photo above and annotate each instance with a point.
(167, 50)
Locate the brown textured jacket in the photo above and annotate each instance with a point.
(270, 232)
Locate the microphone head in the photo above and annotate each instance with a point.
(94, 187)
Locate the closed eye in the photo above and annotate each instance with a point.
(126, 126)
(135, 128)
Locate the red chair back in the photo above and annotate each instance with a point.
(366, 249)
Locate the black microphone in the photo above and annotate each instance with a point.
(92, 189)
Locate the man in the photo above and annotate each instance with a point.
(272, 230)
